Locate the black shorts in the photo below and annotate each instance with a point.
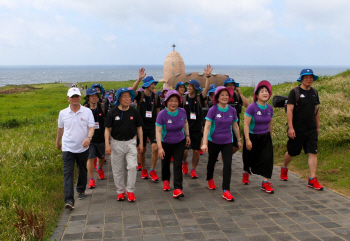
(151, 134)
(196, 138)
(304, 139)
(97, 150)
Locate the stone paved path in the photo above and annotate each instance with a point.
(294, 212)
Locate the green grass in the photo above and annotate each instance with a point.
(31, 166)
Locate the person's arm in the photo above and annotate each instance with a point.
(317, 118)
(291, 131)
(86, 142)
(187, 134)
(142, 75)
(161, 152)
(248, 143)
(237, 133)
(140, 136)
(108, 131)
(59, 138)
(271, 127)
(204, 147)
(244, 99)
(207, 72)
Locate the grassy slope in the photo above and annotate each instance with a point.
(31, 166)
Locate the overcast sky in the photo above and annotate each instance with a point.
(232, 32)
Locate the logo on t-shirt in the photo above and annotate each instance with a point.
(302, 96)
(170, 121)
(218, 116)
(117, 118)
(131, 117)
(258, 113)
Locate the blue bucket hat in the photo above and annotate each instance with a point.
(147, 81)
(91, 91)
(195, 83)
(178, 84)
(231, 80)
(99, 86)
(212, 89)
(121, 91)
(307, 72)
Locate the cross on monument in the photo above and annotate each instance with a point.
(173, 47)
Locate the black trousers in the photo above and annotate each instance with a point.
(177, 151)
(69, 160)
(214, 150)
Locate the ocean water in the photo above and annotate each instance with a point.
(245, 75)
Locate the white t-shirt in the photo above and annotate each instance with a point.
(76, 128)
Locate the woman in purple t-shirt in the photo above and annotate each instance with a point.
(257, 148)
(172, 136)
(218, 131)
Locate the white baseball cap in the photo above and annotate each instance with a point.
(73, 91)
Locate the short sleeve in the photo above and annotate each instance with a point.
(139, 121)
(60, 120)
(138, 97)
(211, 114)
(91, 118)
(159, 121)
(250, 110)
(158, 102)
(235, 118)
(317, 98)
(291, 98)
(109, 119)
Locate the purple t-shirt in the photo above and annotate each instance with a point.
(221, 124)
(172, 124)
(261, 117)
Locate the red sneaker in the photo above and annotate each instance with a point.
(184, 168)
(211, 184)
(194, 174)
(101, 173)
(227, 195)
(245, 178)
(178, 193)
(200, 152)
(91, 183)
(266, 186)
(139, 167)
(121, 197)
(144, 174)
(153, 175)
(131, 196)
(166, 185)
(313, 183)
(284, 174)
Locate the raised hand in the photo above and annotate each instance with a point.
(142, 73)
(207, 70)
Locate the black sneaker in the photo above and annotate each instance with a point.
(69, 205)
(81, 195)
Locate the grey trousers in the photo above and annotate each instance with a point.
(124, 152)
(69, 160)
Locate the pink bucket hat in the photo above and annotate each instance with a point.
(262, 83)
(218, 90)
(171, 93)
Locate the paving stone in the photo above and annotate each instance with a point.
(194, 236)
(172, 230)
(113, 234)
(92, 236)
(132, 232)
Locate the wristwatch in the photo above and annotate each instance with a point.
(90, 138)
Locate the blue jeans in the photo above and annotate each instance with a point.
(69, 159)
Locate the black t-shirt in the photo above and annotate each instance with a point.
(148, 103)
(237, 103)
(192, 106)
(100, 118)
(304, 109)
(124, 123)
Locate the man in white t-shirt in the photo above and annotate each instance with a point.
(76, 127)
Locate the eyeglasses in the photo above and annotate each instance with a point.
(74, 96)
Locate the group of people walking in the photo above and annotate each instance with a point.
(186, 117)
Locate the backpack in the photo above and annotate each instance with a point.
(281, 101)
